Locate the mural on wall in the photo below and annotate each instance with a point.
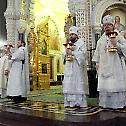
(117, 24)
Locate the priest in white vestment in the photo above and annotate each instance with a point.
(18, 85)
(74, 59)
(111, 67)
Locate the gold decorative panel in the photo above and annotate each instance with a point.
(39, 57)
(68, 24)
(43, 55)
(33, 60)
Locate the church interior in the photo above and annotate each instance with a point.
(44, 26)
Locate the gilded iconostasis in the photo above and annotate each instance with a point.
(48, 36)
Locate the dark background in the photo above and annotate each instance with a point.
(3, 31)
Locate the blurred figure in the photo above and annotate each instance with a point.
(4, 64)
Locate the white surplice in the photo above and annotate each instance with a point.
(111, 72)
(17, 85)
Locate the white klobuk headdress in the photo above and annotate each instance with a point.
(74, 30)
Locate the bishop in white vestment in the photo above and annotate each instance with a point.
(74, 83)
(111, 68)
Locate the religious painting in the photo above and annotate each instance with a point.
(44, 68)
(44, 47)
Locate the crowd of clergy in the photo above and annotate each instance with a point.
(109, 57)
(14, 82)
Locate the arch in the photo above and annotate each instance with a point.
(55, 25)
(52, 32)
(100, 9)
(54, 36)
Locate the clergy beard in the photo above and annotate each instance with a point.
(73, 40)
(107, 31)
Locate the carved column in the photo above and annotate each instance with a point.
(78, 8)
(10, 21)
(32, 18)
(82, 10)
(27, 20)
(21, 22)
